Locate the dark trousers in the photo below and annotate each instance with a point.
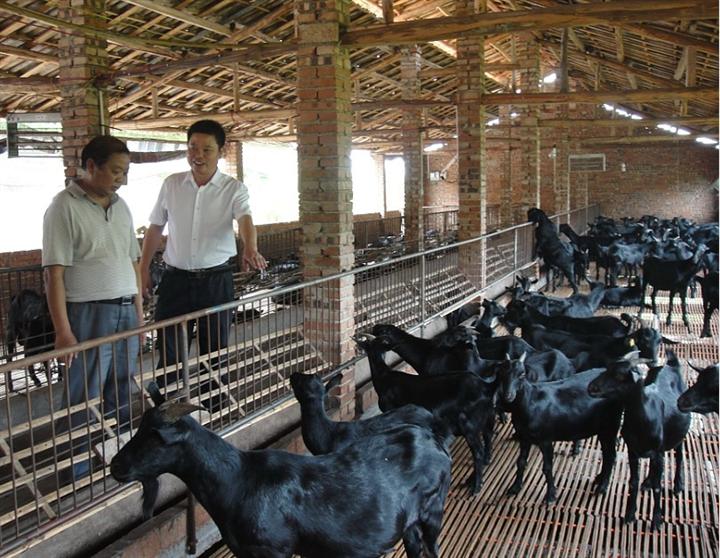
(181, 293)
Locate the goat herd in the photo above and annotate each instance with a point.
(570, 376)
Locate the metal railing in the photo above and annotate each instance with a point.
(273, 333)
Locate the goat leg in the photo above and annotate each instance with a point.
(412, 541)
(609, 453)
(656, 473)
(475, 479)
(679, 482)
(631, 508)
(520, 466)
(668, 321)
(707, 313)
(683, 305)
(547, 452)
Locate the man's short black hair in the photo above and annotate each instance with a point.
(100, 149)
(210, 127)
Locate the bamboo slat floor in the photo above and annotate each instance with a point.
(579, 525)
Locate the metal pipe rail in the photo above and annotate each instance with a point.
(273, 334)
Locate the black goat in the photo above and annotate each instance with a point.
(552, 411)
(518, 312)
(460, 350)
(463, 401)
(484, 324)
(672, 276)
(322, 435)
(465, 312)
(554, 252)
(574, 306)
(709, 285)
(454, 351)
(623, 296)
(702, 397)
(29, 324)
(272, 504)
(652, 422)
(594, 351)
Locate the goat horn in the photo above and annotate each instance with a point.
(172, 411)
(154, 391)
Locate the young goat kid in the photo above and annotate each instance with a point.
(355, 503)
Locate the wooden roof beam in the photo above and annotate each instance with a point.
(644, 139)
(575, 15)
(623, 67)
(627, 122)
(593, 97)
(28, 54)
(123, 40)
(222, 117)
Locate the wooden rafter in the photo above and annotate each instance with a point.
(529, 20)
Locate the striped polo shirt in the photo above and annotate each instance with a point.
(96, 246)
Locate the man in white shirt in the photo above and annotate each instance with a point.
(199, 207)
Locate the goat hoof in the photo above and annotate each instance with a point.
(655, 524)
(513, 490)
(550, 499)
(629, 518)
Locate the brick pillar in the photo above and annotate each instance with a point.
(526, 130)
(234, 159)
(324, 174)
(83, 110)
(507, 217)
(412, 146)
(471, 123)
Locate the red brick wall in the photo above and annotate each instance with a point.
(441, 194)
(666, 181)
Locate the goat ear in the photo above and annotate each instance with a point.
(154, 391)
(171, 411)
(333, 382)
(696, 368)
(171, 434)
(522, 357)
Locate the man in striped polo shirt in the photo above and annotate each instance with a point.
(90, 258)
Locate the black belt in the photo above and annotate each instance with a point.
(121, 300)
(199, 272)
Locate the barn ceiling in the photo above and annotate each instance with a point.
(170, 59)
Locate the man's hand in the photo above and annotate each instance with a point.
(252, 259)
(147, 285)
(64, 340)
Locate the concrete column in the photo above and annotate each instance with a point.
(324, 143)
(83, 110)
(379, 160)
(412, 147)
(234, 160)
(471, 123)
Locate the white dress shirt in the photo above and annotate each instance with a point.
(200, 219)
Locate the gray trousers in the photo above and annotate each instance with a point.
(107, 369)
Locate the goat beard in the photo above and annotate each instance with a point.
(150, 493)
